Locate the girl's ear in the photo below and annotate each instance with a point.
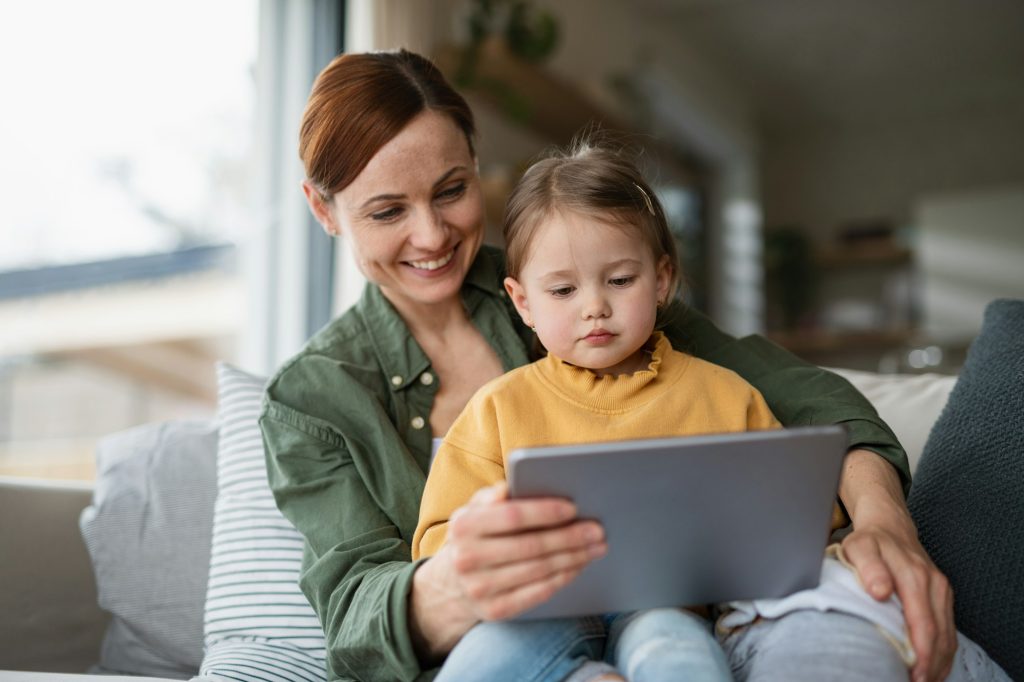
(517, 293)
(321, 209)
(663, 277)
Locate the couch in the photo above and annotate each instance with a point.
(138, 542)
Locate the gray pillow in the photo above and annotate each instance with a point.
(148, 532)
(966, 497)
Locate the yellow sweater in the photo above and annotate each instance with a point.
(551, 402)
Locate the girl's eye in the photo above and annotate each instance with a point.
(621, 281)
(452, 192)
(389, 214)
(562, 292)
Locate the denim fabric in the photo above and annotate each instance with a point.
(525, 651)
(658, 645)
(815, 645)
(662, 645)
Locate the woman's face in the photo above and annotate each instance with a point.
(414, 215)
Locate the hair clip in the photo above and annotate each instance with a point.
(647, 199)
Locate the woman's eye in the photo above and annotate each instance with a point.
(388, 214)
(452, 192)
(562, 292)
(621, 281)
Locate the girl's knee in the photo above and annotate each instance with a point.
(814, 645)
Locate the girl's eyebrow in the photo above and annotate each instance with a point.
(392, 197)
(623, 261)
(565, 274)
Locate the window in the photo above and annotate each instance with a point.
(127, 149)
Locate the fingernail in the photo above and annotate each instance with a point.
(594, 533)
(597, 550)
(878, 589)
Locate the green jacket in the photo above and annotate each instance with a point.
(346, 425)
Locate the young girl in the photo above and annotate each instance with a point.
(591, 262)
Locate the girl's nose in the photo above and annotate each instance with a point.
(596, 307)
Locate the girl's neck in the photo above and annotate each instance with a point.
(637, 362)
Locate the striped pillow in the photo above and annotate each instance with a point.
(258, 624)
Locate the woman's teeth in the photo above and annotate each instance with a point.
(433, 264)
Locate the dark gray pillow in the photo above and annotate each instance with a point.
(968, 494)
(148, 532)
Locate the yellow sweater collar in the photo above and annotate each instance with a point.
(612, 393)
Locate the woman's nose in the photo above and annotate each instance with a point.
(429, 231)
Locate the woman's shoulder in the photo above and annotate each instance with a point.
(338, 354)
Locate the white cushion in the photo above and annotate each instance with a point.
(909, 403)
(258, 624)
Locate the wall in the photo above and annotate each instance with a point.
(821, 179)
(970, 251)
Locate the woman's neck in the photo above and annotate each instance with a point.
(430, 321)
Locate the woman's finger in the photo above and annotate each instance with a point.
(865, 555)
(516, 601)
(488, 515)
(487, 584)
(946, 642)
(492, 551)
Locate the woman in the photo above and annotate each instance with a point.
(348, 423)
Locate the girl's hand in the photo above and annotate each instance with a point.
(501, 557)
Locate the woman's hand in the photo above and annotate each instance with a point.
(501, 557)
(888, 557)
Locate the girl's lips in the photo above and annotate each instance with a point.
(599, 337)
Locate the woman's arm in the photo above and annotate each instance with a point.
(876, 477)
(889, 558)
(357, 503)
(799, 393)
(356, 573)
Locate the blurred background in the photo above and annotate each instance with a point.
(847, 178)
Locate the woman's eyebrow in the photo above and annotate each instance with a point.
(393, 197)
(444, 178)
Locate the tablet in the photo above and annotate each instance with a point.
(692, 520)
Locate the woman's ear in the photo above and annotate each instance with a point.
(518, 295)
(321, 208)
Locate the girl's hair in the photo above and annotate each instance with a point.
(594, 180)
(359, 102)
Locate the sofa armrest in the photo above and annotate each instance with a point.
(50, 619)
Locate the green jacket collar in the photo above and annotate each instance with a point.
(399, 354)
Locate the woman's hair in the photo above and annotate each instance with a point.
(359, 102)
(594, 180)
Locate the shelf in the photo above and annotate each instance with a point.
(820, 341)
(863, 255)
(552, 107)
(548, 105)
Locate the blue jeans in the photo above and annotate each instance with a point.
(811, 645)
(530, 651)
(659, 645)
(656, 645)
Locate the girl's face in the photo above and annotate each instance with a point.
(414, 215)
(591, 290)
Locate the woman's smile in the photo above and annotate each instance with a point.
(433, 266)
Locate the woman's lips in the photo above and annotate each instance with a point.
(432, 267)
